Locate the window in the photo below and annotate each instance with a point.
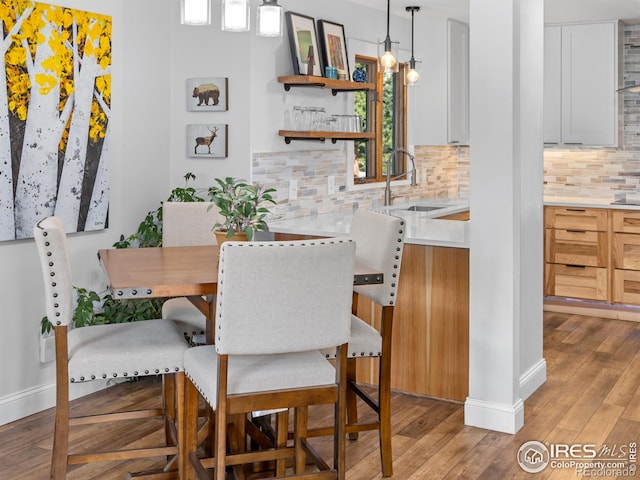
(383, 111)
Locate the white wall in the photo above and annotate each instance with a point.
(139, 177)
(153, 55)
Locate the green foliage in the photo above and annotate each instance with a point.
(92, 310)
(241, 205)
(149, 233)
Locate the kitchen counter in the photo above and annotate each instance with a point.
(595, 202)
(423, 227)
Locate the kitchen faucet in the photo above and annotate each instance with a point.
(387, 188)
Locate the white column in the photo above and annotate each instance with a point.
(506, 68)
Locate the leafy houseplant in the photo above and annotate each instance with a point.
(242, 206)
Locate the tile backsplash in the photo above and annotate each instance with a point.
(444, 171)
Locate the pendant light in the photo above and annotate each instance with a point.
(195, 12)
(387, 60)
(270, 16)
(630, 89)
(412, 74)
(235, 15)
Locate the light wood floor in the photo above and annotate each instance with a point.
(592, 395)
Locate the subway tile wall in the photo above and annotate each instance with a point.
(444, 171)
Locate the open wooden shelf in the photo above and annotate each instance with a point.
(322, 136)
(334, 85)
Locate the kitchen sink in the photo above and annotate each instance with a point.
(422, 208)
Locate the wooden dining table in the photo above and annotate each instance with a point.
(190, 272)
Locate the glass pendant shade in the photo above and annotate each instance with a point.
(195, 12)
(412, 74)
(235, 15)
(387, 57)
(270, 19)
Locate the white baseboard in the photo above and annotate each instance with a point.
(533, 379)
(33, 400)
(499, 417)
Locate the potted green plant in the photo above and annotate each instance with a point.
(242, 206)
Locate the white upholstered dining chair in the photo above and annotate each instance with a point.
(187, 224)
(379, 242)
(152, 347)
(278, 303)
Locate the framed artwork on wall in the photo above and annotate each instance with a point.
(207, 140)
(333, 45)
(207, 94)
(303, 41)
(49, 164)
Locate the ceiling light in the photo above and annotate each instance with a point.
(387, 60)
(412, 74)
(630, 88)
(270, 16)
(235, 15)
(195, 12)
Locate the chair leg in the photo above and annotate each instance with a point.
(190, 429)
(180, 414)
(282, 434)
(352, 398)
(301, 420)
(168, 405)
(384, 402)
(60, 440)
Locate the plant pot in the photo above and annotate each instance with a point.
(221, 237)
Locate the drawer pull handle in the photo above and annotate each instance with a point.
(576, 210)
(574, 266)
(577, 231)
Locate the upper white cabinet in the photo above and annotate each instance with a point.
(439, 102)
(580, 81)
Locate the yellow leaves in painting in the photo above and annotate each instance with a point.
(90, 32)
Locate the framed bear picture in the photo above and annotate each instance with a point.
(207, 94)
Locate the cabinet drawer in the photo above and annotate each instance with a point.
(575, 218)
(626, 251)
(626, 221)
(576, 247)
(626, 286)
(576, 282)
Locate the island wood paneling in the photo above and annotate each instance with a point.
(430, 353)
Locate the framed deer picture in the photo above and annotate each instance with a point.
(207, 141)
(207, 94)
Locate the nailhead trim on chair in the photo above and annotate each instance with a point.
(126, 374)
(395, 267)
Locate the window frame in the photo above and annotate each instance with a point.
(375, 149)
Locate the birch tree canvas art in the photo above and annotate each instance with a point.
(55, 100)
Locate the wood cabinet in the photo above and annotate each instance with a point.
(593, 254)
(439, 102)
(576, 253)
(626, 256)
(582, 66)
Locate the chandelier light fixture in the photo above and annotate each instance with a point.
(235, 15)
(412, 73)
(270, 19)
(195, 12)
(387, 61)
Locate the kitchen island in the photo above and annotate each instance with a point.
(430, 354)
